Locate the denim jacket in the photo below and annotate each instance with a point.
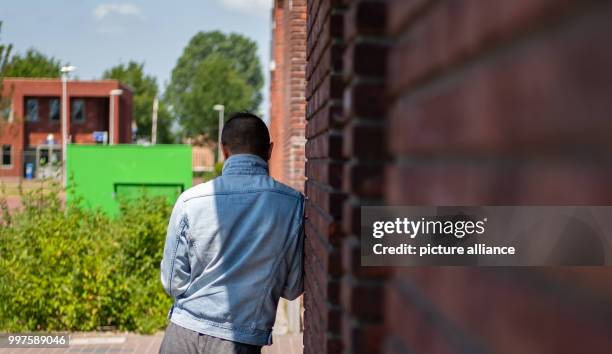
(234, 246)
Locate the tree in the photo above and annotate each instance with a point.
(5, 53)
(144, 90)
(214, 81)
(33, 64)
(5, 102)
(207, 53)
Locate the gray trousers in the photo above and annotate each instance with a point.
(179, 340)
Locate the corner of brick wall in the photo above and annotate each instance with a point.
(346, 75)
(323, 266)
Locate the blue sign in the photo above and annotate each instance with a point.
(29, 172)
(100, 137)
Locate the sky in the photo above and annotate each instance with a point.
(96, 35)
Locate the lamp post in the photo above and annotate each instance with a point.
(154, 121)
(111, 124)
(221, 109)
(65, 70)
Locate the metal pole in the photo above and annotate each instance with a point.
(154, 123)
(65, 70)
(64, 125)
(221, 112)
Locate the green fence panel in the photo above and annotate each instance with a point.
(101, 174)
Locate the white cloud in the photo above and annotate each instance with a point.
(105, 10)
(248, 6)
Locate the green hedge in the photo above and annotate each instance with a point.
(67, 268)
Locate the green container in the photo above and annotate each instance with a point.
(103, 174)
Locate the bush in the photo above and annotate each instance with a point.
(218, 168)
(68, 268)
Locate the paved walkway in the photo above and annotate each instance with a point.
(285, 344)
(139, 344)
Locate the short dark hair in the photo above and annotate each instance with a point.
(246, 133)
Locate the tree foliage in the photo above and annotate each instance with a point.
(5, 102)
(214, 82)
(5, 53)
(144, 89)
(66, 268)
(215, 68)
(33, 64)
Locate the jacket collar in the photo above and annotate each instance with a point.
(244, 164)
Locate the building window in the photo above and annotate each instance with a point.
(78, 110)
(7, 155)
(32, 110)
(54, 109)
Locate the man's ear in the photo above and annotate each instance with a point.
(226, 152)
(270, 150)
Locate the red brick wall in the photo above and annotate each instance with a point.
(499, 103)
(11, 133)
(363, 122)
(324, 167)
(452, 103)
(287, 92)
(96, 109)
(277, 97)
(125, 117)
(346, 74)
(36, 132)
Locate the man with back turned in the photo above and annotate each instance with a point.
(234, 246)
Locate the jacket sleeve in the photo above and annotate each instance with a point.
(175, 268)
(294, 284)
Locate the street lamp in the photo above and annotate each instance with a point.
(65, 70)
(221, 109)
(111, 125)
(154, 121)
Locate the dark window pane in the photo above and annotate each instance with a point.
(32, 109)
(78, 110)
(54, 109)
(6, 155)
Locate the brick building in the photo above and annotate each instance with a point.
(35, 117)
(287, 113)
(450, 103)
(287, 84)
